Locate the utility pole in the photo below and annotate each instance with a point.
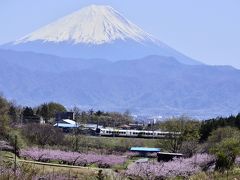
(76, 137)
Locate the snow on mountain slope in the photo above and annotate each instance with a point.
(92, 24)
(95, 32)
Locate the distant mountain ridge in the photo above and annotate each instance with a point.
(95, 32)
(96, 58)
(150, 85)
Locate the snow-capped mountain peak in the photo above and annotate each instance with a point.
(95, 24)
(95, 31)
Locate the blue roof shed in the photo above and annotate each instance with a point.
(145, 149)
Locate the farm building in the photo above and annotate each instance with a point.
(166, 156)
(64, 115)
(66, 123)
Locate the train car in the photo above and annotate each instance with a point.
(137, 133)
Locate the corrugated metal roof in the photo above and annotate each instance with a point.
(145, 149)
(64, 125)
(69, 121)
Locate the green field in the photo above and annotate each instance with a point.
(109, 144)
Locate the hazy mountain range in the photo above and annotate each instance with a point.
(101, 60)
(150, 85)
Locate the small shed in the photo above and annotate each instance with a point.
(64, 115)
(166, 156)
(66, 124)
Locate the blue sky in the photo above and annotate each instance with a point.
(206, 30)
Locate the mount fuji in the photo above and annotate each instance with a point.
(96, 58)
(95, 32)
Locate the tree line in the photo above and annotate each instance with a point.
(208, 126)
(15, 114)
(23, 122)
(219, 136)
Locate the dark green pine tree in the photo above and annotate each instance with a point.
(13, 114)
(27, 114)
(44, 112)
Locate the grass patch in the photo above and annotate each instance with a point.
(7, 154)
(109, 144)
(80, 173)
(52, 171)
(227, 175)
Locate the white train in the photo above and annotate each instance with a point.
(137, 133)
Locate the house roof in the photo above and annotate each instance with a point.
(69, 121)
(64, 125)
